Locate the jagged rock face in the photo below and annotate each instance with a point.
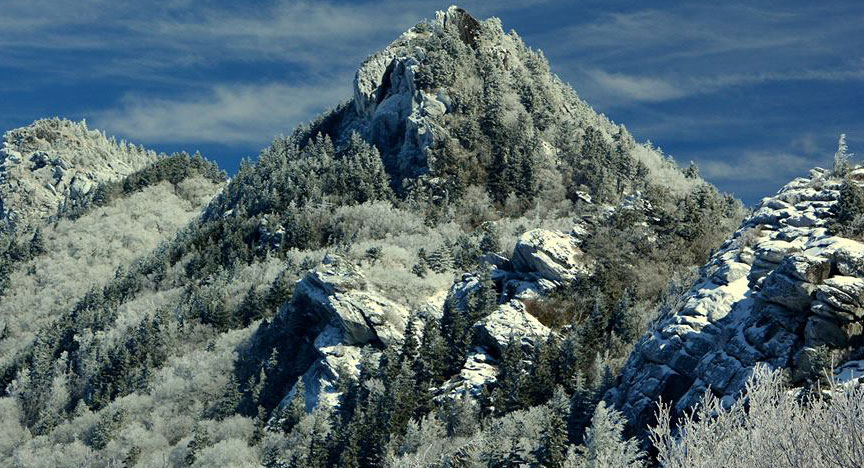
(510, 322)
(51, 161)
(779, 289)
(551, 255)
(321, 379)
(337, 293)
(401, 118)
(480, 370)
(349, 317)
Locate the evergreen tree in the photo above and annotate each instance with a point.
(200, 440)
(457, 333)
(229, 402)
(37, 243)
(440, 260)
(317, 451)
(106, 428)
(510, 394)
(582, 404)
(490, 242)
(552, 450)
(430, 367)
(295, 410)
(545, 373)
(842, 157)
(605, 444)
(622, 322)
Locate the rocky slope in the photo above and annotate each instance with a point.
(53, 160)
(349, 316)
(783, 292)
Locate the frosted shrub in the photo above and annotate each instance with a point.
(770, 427)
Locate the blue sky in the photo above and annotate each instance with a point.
(754, 92)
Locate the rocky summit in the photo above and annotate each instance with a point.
(52, 161)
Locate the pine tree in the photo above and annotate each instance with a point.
(260, 424)
(622, 321)
(229, 402)
(510, 394)
(605, 444)
(842, 157)
(252, 308)
(317, 453)
(351, 452)
(484, 302)
(200, 440)
(490, 242)
(552, 450)
(545, 375)
(410, 345)
(295, 410)
(440, 260)
(106, 428)
(430, 366)
(37, 243)
(457, 333)
(582, 404)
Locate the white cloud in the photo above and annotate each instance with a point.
(774, 168)
(636, 88)
(226, 114)
(619, 88)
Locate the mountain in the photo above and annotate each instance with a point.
(785, 291)
(51, 161)
(97, 219)
(455, 263)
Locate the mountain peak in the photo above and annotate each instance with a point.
(50, 160)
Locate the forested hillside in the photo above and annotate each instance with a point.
(449, 269)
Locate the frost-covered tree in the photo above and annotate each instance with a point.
(605, 444)
(842, 157)
(770, 425)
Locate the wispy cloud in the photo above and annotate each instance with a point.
(622, 87)
(223, 114)
(771, 167)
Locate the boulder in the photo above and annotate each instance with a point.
(336, 292)
(823, 332)
(550, 254)
(480, 370)
(849, 258)
(806, 268)
(729, 272)
(461, 291)
(510, 320)
(773, 251)
(787, 291)
(843, 293)
(322, 378)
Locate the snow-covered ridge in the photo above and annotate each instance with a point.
(50, 160)
(781, 288)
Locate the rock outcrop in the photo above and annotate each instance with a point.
(336, 292)
(510, 322)
(53, 160)
(348, 318)
(775, 293)
(550, 255)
